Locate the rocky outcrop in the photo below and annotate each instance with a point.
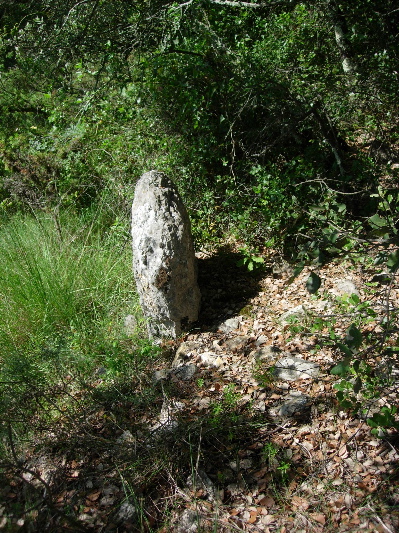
(164, 264)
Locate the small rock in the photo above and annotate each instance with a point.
(294, 406)
(244, 464)
(267, 353)
(230, 325)
(200, 480)
(184, 353)
(107, 501)
(189, 522)
(126, 437)
(204, 403)
(262, 339)
(210, 360)
(217, 346)
(166, 418)
(298, 312)
(164, 373)
(186, 372)
(344, 287)
(130, 324)
(381, 277)
(292, 368)
(237, 343)
(126, 513)
(323, 305)
(281, 269)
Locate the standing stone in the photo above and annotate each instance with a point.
(164, 263)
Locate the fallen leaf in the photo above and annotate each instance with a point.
(94, 496)
(318, 517)
(252, 519)
(299, 502)
(267, 501)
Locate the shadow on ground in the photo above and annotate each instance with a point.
(225, 287)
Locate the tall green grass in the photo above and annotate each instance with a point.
(59, 283)
(66, 285)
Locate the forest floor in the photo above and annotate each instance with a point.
(210, 448)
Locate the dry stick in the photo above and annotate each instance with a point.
(376, 517)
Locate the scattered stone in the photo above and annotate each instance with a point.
(296, 405)
(126, 437)
(267, 353)
(282, 269)
(210, 360)
(381, 277)
(297, 313)
(230, 324)
(130, 324)
(242, 464)
(164, 373)
(189, 522)
(167, 421)
(344, 287)
(185, 372)
(185, 351)
(323, 305)
(204, 403)
(200, 481)
(262, 339)
(237, 343)
(164, 263)
(126, 513)
(291, 368)
(217, 346)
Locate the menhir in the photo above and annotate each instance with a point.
(164, 263)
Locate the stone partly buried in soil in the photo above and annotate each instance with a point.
(266, 353)
(295, 405)
(292, 368)
(164, 263)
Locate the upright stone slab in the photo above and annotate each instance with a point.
(164, 263)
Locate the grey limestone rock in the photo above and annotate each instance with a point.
(294, 405)
(189, 522)
(297, 313)
(130, 324)
(164, 263)
(344, 287)
(266, 353)
(185, 372)
(185, 352)
(200, 480)
(292, 368)
(126, 513)
(230, 325)
(237, 343)
(210, 360)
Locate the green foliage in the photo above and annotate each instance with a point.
(276, 461)
(313, 283)
(382, 420)
(250, 260)
(224, 412)
(248, 110)
(63, 295)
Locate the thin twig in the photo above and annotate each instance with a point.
(376, 517)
